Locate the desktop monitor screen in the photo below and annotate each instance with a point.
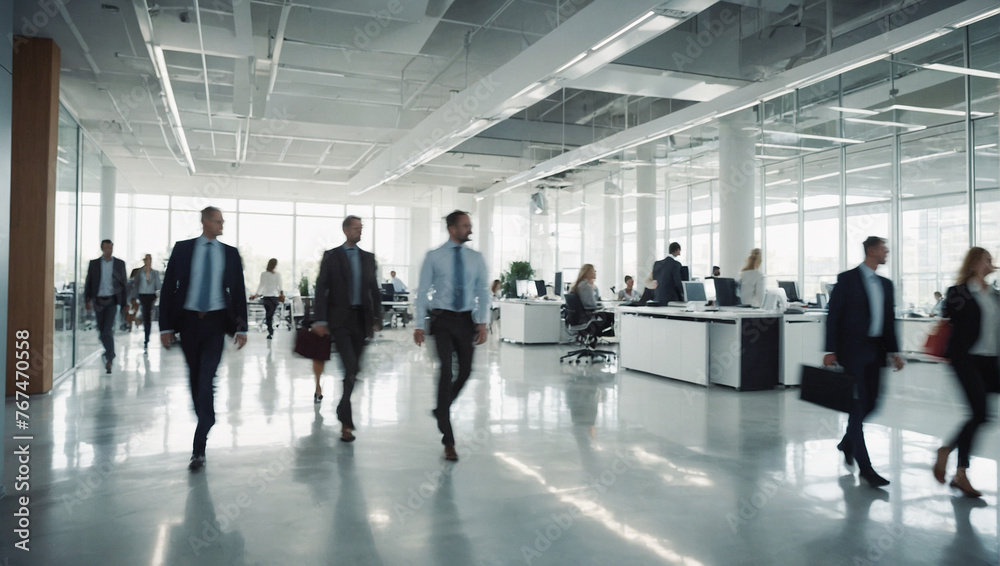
(685, 273)
(821, 300)
(829, 290)
(539, 288)
(694, 291)
(388, 290)
(522, 287)
(791, 290)
(725, 292)
(558, 286)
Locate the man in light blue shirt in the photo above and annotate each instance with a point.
(457, 279)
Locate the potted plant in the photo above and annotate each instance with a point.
(304, 286)
(517, 271)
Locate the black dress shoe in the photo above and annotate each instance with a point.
(872, 478)
(107, 366)
(317, 398)
(848, 455)
(197, 463)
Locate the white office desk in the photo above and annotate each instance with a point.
(913, 333)
(531, 321)
(803, 341)
(739, 348)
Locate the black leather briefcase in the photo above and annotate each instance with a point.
(829, 387)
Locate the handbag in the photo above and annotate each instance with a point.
(832, 388)
(310, 345)
(937, 339)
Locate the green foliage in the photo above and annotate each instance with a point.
(304, 286)
(517, 271)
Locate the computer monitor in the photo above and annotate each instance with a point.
(539, 288)
(791, 290)
(558, 286)
(829, 290)
(821, 300)
(694, 291)
(685, 273)
(522, 287)
(388, 290)
(725, 292)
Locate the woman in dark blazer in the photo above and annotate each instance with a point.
(974, 310)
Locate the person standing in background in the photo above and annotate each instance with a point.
(752, 280)
(860, 335)
(146, 285)
(667, 273)
(459, 312)
(271, 292)
(204, 298)
(104, 292)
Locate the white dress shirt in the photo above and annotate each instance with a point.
(437, 279)
(989, 321)
(216, 300)
(270, 284)
(876, 300)
(752, 288)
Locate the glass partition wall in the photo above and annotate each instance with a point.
(906, 148)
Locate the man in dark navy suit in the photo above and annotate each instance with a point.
(104, 292)
(860, 336)
(204, 298)
(667, 273)
(348, 305)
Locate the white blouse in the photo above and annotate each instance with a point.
(752, 288)
(270, 284)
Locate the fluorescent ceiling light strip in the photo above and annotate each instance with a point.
(571, 62)
(975, 19)
(527, 89)
(962, 71)
(862, 111)
(819, 177)
(812, 136)
(837, 72)
(738, 109)
(791, 147)
(941, 111)
(867, 168)
(168, 93)
(929, 156)
(920, 41)
(885, 123)
(623, 31)
(773, 157)
(986, 146)
(776, 183)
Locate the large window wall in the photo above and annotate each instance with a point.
(900, 148)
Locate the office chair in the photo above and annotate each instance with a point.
(586, 329)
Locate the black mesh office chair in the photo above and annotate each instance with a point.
(586, 329)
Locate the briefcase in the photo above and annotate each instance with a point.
(832, 388)
(312, 346)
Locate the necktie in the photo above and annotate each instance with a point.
(204, 294)
(459, 281)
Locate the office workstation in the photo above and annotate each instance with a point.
(767, 140)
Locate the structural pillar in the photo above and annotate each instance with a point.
(737, 179)
(645, 213)
(108, 180)
(34, 131)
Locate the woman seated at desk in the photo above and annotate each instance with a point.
(586, 290)
(629, 294)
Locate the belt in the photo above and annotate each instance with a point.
(357, 307)
(105, 297)
(202, 314)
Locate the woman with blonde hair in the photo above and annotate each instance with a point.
(752, 280)
(586, 290)
(974, 310)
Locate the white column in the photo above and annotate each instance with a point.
(645, 214)
(108, 174)
(484, 229)
(736, 193)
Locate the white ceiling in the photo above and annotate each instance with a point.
(318, 98)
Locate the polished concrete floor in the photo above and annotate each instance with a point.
(559, 465)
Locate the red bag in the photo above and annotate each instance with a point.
(937, 340)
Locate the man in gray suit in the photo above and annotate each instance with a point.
(104, 292)
(667, 273)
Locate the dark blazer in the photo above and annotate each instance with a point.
(333, 301)
(964, 312)
(93, 281)
(175, 287)
(667, 273)
(849, 317)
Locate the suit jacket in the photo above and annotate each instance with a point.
(667, 273)
(849, 317)
(333, 287)
(154, 278)
(963, 310)
(173, 294)
(118, 281)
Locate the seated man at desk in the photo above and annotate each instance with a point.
(397, 284)
(586, 290)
